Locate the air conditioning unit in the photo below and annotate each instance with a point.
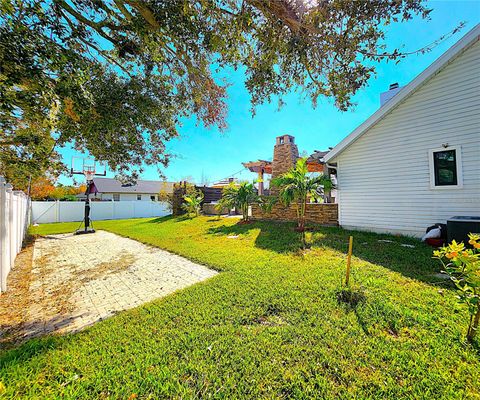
(459, 227)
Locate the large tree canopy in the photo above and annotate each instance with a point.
(116, 77)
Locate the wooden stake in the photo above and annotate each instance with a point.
(349, 258)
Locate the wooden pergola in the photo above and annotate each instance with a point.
(262, 167)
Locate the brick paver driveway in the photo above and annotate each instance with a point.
(78, 280)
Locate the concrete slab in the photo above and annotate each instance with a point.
(77, 280)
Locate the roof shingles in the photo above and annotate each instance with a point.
(109, 185)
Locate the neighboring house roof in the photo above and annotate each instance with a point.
(225, 182)
(318, 156)
(108, 185)
(458, 48)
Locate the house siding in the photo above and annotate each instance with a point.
(384, 176)
(126, 196)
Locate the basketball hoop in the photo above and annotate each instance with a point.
(89, 173)
(89, 168)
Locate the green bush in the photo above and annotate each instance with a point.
(240, 196)
(193, 202)
(463, 267)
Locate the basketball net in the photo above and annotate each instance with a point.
(89, 174)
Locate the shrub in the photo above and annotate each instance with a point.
(166, 197)
(298, 185)
(266, 203)
(193, 202)
(240, 196)
(463, 266)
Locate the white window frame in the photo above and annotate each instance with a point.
(458, 160)
(116, 195)
(139, 195)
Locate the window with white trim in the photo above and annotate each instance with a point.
(446, 168)
(116, 197)
(139, 197)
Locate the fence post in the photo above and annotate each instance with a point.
(3, 236)
(7, 232)
(11, 227)
(18, 223)
(57, 211)
(13, 220)
(24, 215)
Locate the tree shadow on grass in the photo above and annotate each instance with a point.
(274, 236)
(167, 218)
(23, 341)
(26, 350)
(13, 335)
(402, 254)
(405, 255)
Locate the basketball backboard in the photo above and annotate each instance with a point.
(87, 165)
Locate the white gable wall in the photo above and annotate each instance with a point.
(384, 176)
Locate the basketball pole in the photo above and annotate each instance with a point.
(86, 218)
(89, 170)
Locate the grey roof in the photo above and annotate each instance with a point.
(108, 185)
(225, 182)
(318, 156)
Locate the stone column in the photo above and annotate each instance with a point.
(285, 156)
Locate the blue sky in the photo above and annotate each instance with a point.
(208, 153)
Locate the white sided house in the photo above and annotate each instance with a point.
(142, 190)
(416, 161)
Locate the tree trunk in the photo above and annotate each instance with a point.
(474, 322)
(304, 212)
(299, 223)
(301, 214)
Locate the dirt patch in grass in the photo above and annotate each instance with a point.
(271, 320)
(351, 297)
(58, 299)
(38, 291)
(124, 261)
(15, 301)
(54, 299)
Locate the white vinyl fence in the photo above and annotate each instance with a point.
(68, 211)
(13, 227)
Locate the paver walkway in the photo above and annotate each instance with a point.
(78, 280)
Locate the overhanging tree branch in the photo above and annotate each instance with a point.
(144, 11)
(96, 26)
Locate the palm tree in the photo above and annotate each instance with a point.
(297, 185)
(240, 196)
(193, 202)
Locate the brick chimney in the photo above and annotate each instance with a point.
(285, 155)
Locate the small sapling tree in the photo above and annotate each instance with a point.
(297, 186)
(266, 203)
(240, 196)
(193, 202)
(463, 266)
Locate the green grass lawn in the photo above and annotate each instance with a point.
(268, 326)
